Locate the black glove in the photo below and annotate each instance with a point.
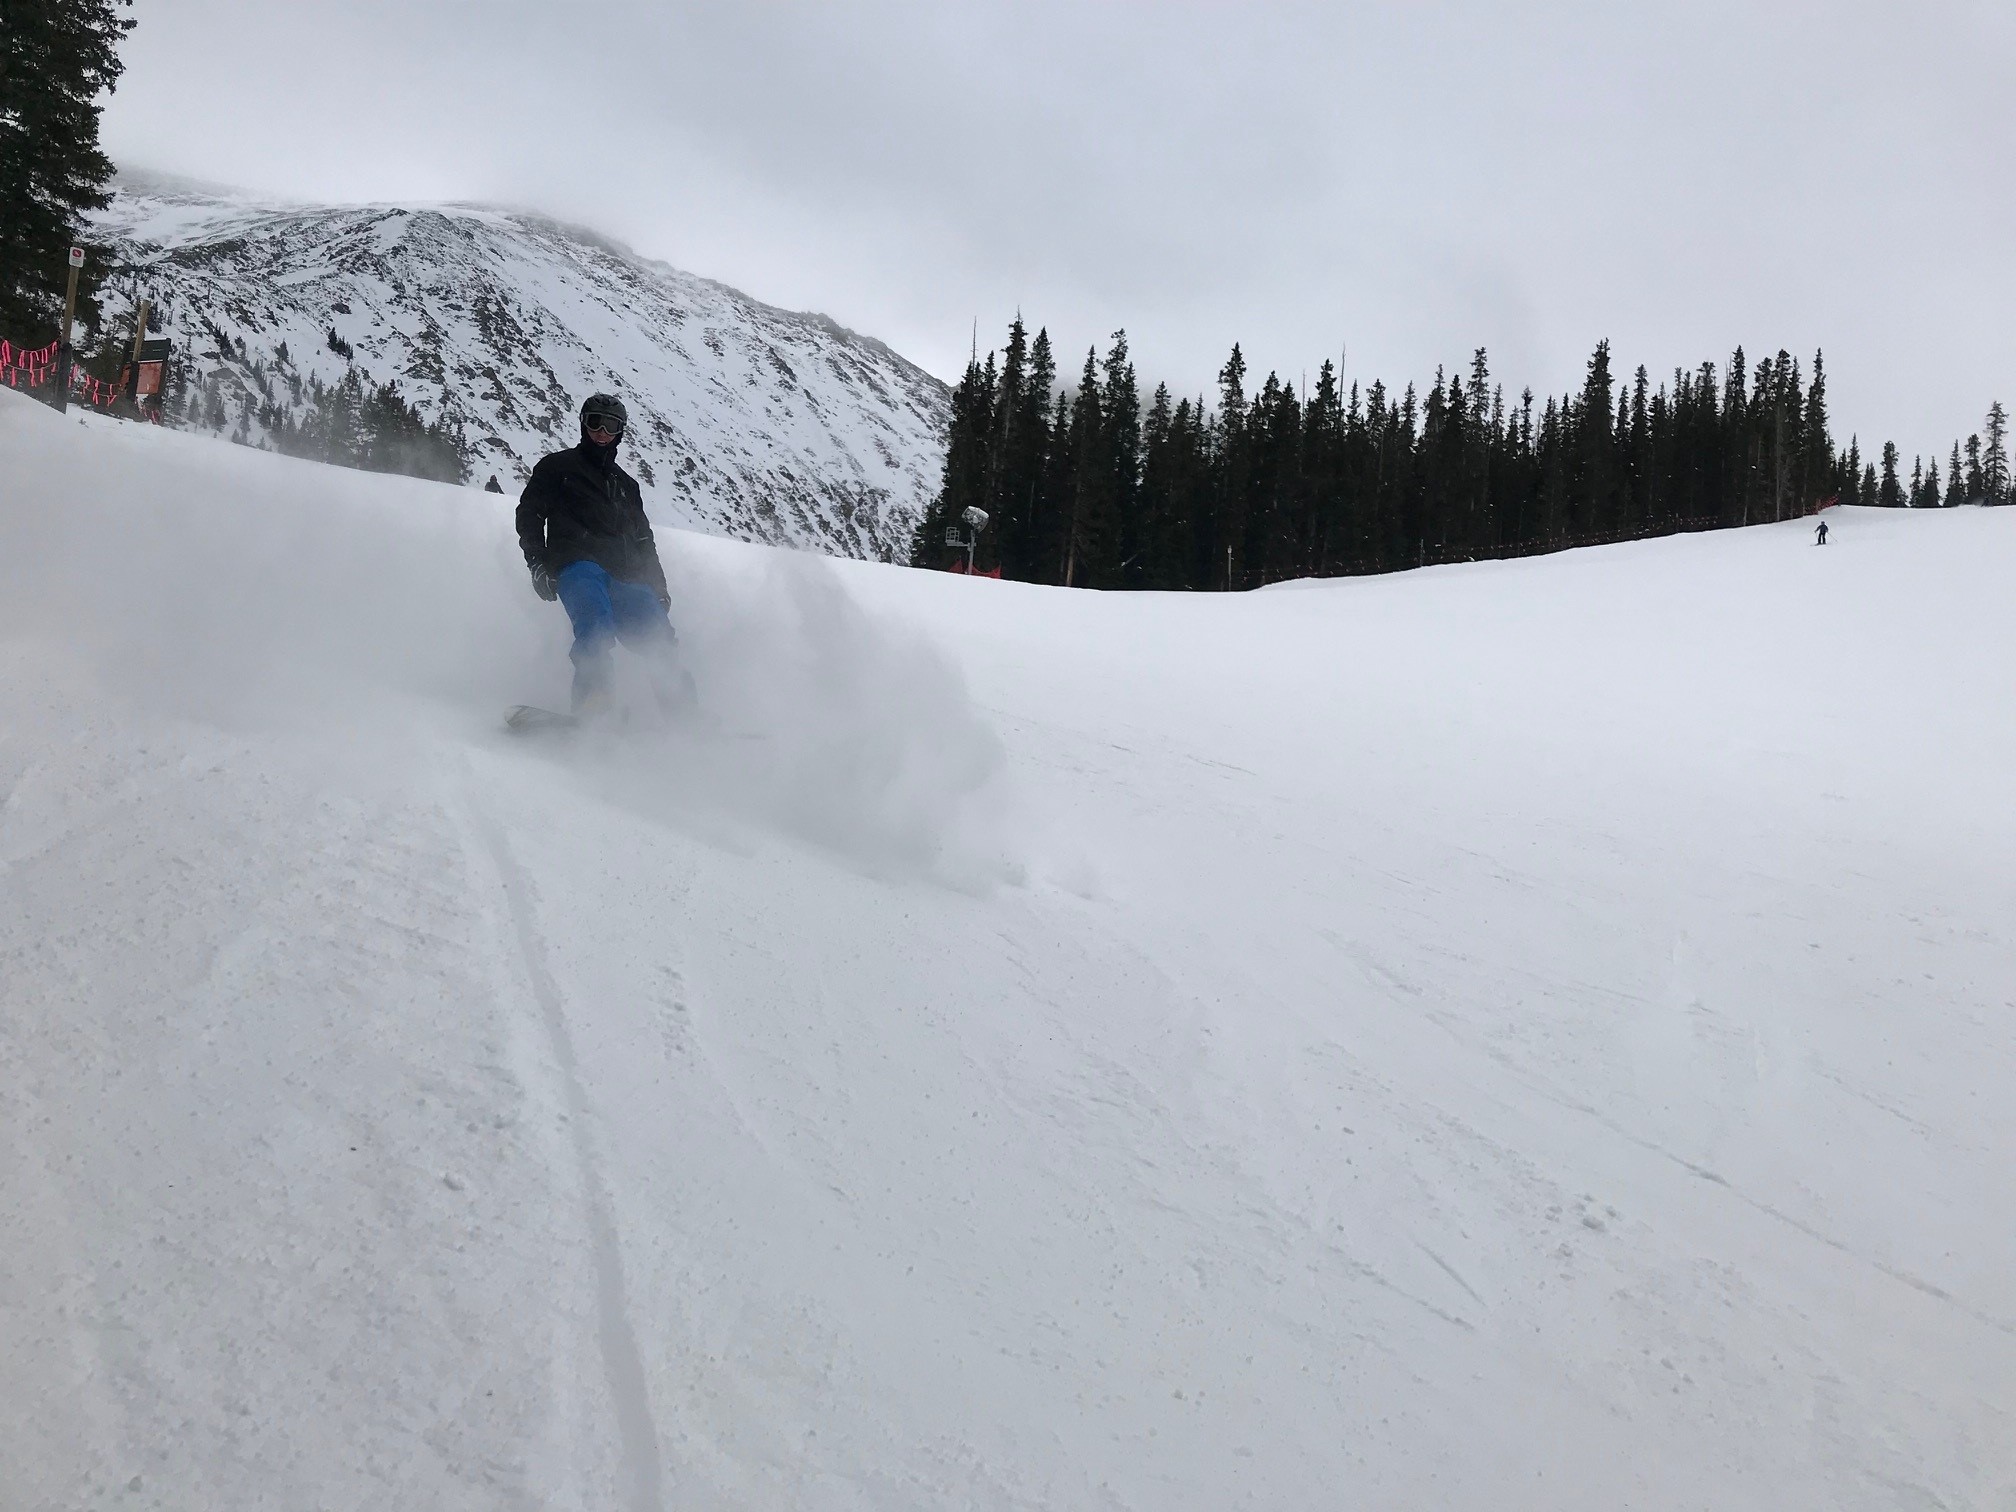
(542, 584)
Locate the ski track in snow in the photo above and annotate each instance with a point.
(1506, 1037)
(628, 1390)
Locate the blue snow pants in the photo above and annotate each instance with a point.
(604, 610)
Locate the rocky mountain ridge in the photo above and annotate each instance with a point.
(746, 420)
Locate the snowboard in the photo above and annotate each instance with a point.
(529, 719)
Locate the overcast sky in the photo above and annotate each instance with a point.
(1406, 180)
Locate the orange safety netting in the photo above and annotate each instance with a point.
(31, 367)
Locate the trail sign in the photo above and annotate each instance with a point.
(76, 257)
(153, 368)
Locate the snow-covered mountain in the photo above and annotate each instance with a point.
(747, 421)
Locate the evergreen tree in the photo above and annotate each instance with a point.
(1007, 413)
(1995, 455)
(1323, 538)
(1090, 516)
(1407, 536)
(1819, 471)
(1273, 445)
(1218, 545)
(1738, 448)
(1776, 416)
(56, 58)
(1058, 494)
(1120, 559)
(1156, 513)
(1635, 437)
(1889, 493)
(1026, 531)
(1851, 473)
(1976, 488)
(1592, 479)
(1553, 477)
(1956, 481)
(964, 482)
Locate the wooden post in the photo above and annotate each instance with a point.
(139, 339)
(63, 336)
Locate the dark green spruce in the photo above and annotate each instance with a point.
(57, 58)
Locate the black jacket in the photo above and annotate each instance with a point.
(579, 506)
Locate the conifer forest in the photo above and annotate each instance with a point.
(1088, 487)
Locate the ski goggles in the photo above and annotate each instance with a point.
(609, 425)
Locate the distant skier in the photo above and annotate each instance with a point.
(582, 526)
(1820, 535)
(493, 486)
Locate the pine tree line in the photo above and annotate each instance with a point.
(355, 424)
(352, 422)
(1977, 471)
(1086, 488)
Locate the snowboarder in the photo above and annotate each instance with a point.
(1820, 535)
(493, 486)
(582, 526)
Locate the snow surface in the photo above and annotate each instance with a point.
(1530, 1035)
(746, 420)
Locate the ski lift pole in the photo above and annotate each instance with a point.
(976, 521)
(63, 356)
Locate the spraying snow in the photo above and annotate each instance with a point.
(1529, 1035)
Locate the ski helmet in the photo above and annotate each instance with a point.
(608, 409)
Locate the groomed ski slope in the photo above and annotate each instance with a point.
(1529, 1035)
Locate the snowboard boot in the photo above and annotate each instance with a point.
(674, 690)
(594, 693)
